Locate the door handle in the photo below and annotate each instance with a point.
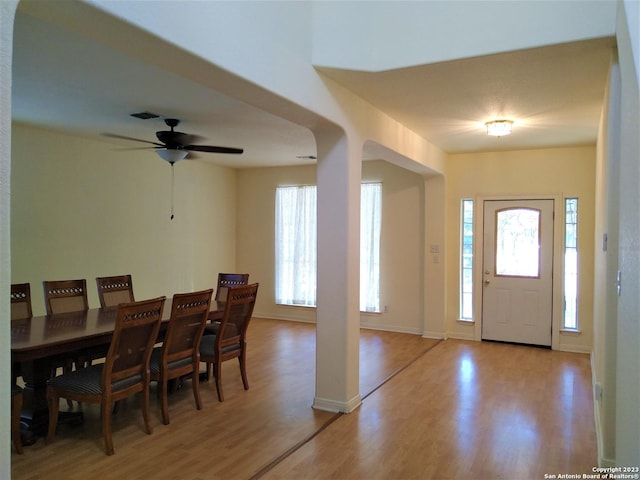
(487, 281)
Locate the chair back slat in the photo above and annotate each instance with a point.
(115, 290)
(64, 296)
(135, 333)
(20, 301)
(116, 297)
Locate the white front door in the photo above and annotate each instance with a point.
(517, 271)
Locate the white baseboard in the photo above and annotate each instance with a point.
(288, 318)
(363, 324)
(462, 336)
(328, 405)
(596, 412)
(390, 328)
(573, 349)
(602, 461)
(435, 335)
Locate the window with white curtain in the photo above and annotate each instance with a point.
(370, 216)
(296, 248)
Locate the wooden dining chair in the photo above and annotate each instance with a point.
(179, 354)
(115, 290)
(225, 280)
(20, 310)
(65, 296)
(21, 301)
(16, 411)
(230, 341)
(125, 371)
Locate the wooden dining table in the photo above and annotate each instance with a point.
(38, 341)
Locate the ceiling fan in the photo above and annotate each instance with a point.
(175, 146)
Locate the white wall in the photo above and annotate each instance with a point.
(628, 261)
(386, 35)
(603, 357)
(7, 14)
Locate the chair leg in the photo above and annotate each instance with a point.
(243, 369)
(68, 367)
(145, 409)
(163, 387)
(218, 374)
(195, 385)
(105, 414)
(16, 410)
(53, 399)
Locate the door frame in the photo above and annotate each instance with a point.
(557, 264)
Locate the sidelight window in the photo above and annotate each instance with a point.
(570, 316)
(466, 260)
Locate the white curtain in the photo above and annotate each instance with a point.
(296, 246)
(370, 215)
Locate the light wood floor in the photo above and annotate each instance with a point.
(431, 410)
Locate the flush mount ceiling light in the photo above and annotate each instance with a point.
(499, 128)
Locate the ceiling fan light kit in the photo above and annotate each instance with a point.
(499, 128)
(171, 155)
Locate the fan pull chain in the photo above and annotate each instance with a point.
(172, 182)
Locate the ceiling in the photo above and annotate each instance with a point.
(70, 83)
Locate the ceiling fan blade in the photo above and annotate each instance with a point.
(212, 149)
(123, 137)
(129, 149)
(177, 139)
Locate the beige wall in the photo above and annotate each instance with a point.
(401, 242)
(81, 209)
(562, 172)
